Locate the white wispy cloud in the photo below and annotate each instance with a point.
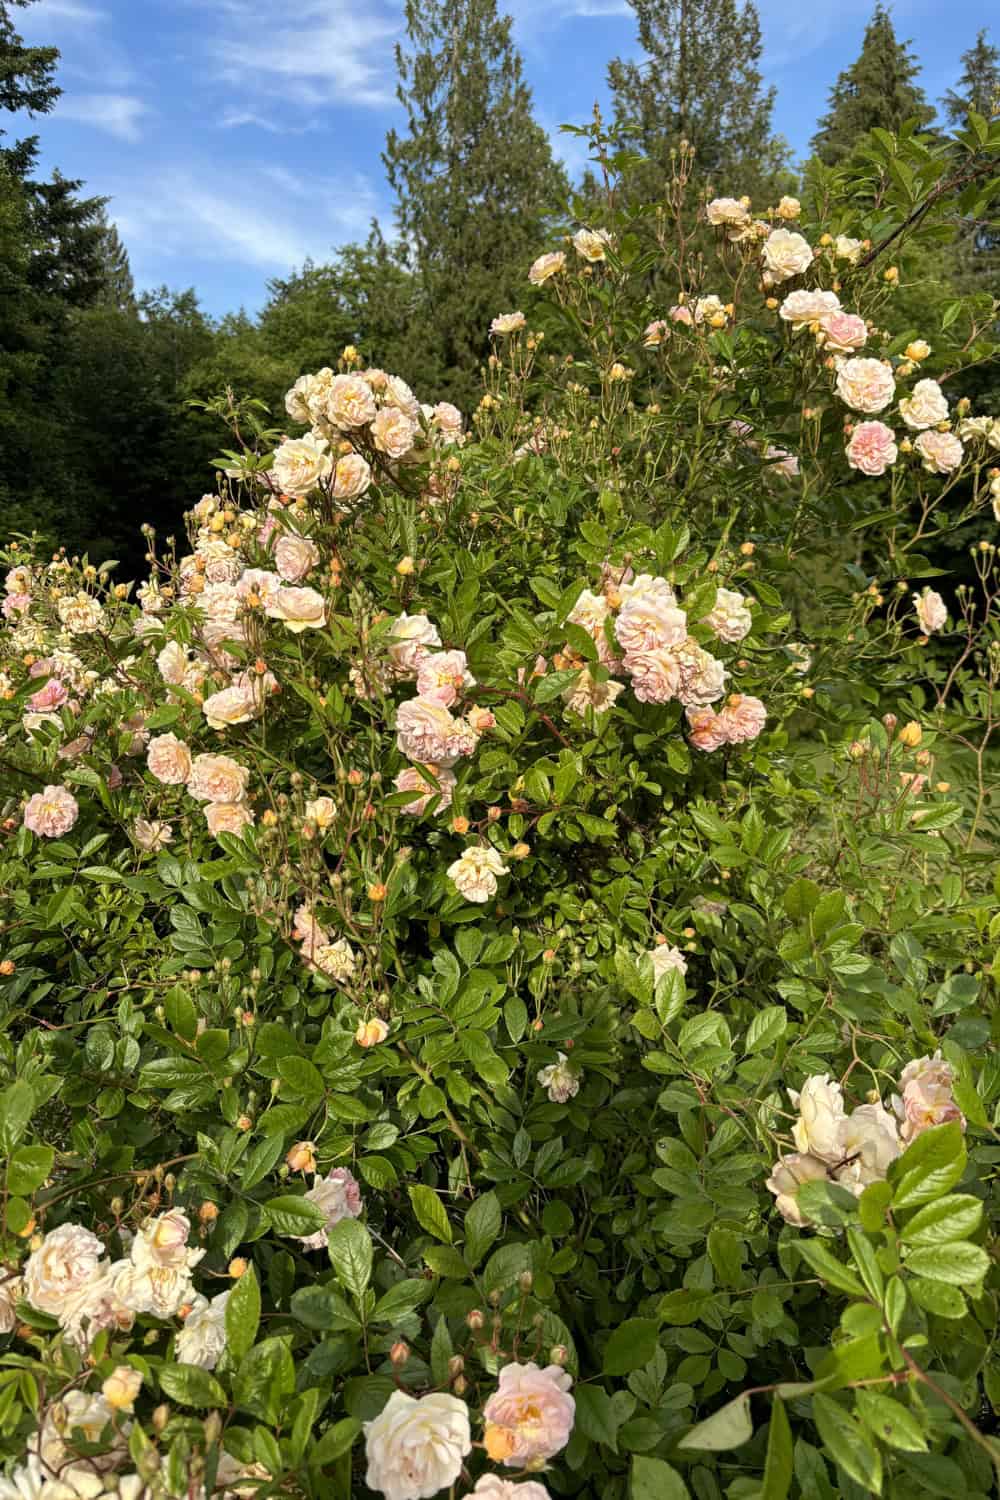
(276, 218)
(116, 114)
(79, 12)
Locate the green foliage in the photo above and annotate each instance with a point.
(877, 92)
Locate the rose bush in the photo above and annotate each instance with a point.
(498, 946)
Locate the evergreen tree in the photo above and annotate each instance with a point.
(117, 286)
(475, 181)
(876, 91)
(699, 81)
(979, 86)
(27, 82)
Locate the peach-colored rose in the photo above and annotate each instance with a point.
(925, 406)
(394, 432)
(702, 676)
(339, 1196)
(427, 732)
(411, 637)
(410, 780)
(217, 778)
(843, 332)
(872, 448)
(295, 556)
(941, 451)
(681, 314)
(926, 1087)
(656, 674)
(298, 609)
(227, 817)
(169, 759)
(53, 695)
(529, 1418)
(233, 705)
(743, 718)
(707, 729)
(591, 244)
(371, 1033)
(655, 333)
(646, 623)
(932, 612)
(505, 323)
(301, 463)
(350, 402)
(51, 813)
(587, 693)
(351, 477)
(443, 676)
(865, 384)
(546, 266)
(447, 421)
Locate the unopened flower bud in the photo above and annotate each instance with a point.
(302, 1157)
(558, 1354)
(399, 1353)
(237, 1267)
(911, 734)
(475, 1319)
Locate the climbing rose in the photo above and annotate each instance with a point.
(529, 1418)
(339, 1196)
(865, 384)
(940, 451)
(872, 448)
(415, 1447)
(51, 813)
(932, 613)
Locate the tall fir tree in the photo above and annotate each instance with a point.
(979, 86)
(475, 183)
(699, 81)
(878, 90)
(117, 286)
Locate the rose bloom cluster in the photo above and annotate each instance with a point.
(416, 1446)
(857, 1149)
(641, 634)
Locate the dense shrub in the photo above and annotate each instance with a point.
(503, 919)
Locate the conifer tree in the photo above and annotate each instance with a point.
(979, 86)
(117, 286)
(699, 81)
(475, 182)
(877, 91)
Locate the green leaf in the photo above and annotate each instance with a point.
(265, 1155)
(243, 1314)
(653, 1479)
(729, 1427)
(596, 1416)
(351, 1252)
(829, 1268)
(957, 1263)
(444, 1260)
(938, 1298)
(801, 898)
(931, 1165)
(951, 1218)
(400, 1300)
(890, 1421)
(28, 1168)
(191, 1386)
(17, 1105)
(482, 1226)
(265, 1380)
(847, 1444)
(766, 1028)
(632, 1344)
(779, 1466)
(324, 1309)
(295, 1216)
(725, 1251)
(429, 1211)
(335, 1441)
(442, 1350)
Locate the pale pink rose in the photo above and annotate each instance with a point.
(804, 307)
(560, 1080)
(295, 556)
(546, 266)
(66, 1261)
(743, 718)
(51, 813)
(494, 1487)
(505, 323)
(411, 637)
(415, 1448)
(730, 618)
(351, 477)
(926, 1086)
(233, 705)
(427, 732)
(780, 461)
(702, 676)
(872, 448)
(394, 433)
(447, 419)
(298, 609)
(169, 759)
(443, 676)
(865, 384)
(941, 451)
(529, 1418)
(151, 837)
(707, 729)
(926, 405)
(163, 1241)
(217, 778)
(646, 623)
(680, 314)
(350, 402)
(227, 817)
(16, 604)
(306, 930)
(654, 333)
(410, 780)
(52, 695)
(172, 663)
(787, 1176)
(786, 254)
(656, 675)
(258, 586)
(932, 612)
(843, 332)
(725, 211)
(339, 1196)
(396, 392)
(222, 565)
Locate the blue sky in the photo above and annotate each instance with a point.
(237, 137)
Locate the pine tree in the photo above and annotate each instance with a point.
(27, 82)
(876, 91)
(117, 286)
(979, 86)
(699, 81)
(475, 182)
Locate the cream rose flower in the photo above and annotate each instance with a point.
(805, 307)
(339, 1197)
(233, 705)
(845, 248)
(64, 1262)
(172, 663)
(560, 1080)
(932, 612)
(297, 399)
(926, 406)
(154, 1290)
(427, 732)
(666, 960)
(415, 1447)
(295, 556)
(787, 1176)
(546, 266)
(505, 323)
(410, 780)
(591, 244)
(843, 333)
(163, 1241)
(865, 384)
(11, 1293)
(495, 1487)
(742, 719)
(90, 1415)
(475, 873)
(217, 778)
(869, 1140)
(350, 402)
(169, 759)
(654, 333)
(789, 208)
(818, 1130)
(529, 1418)
(872, 448)
(301, 463)
(786, 254)
(151, 836)
(203, 1337)
(411, 638)
(298, 609)
(394, 432)
(81, 614)
(351, 477)
(51, 812)
(730, 618)
(587, 693)
(396, 392)
(927, 1100)
(322, 811)
(335, 960)
(227, 817)
(647, 622)
(941, 451)
(446, 420)
(726, 211)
